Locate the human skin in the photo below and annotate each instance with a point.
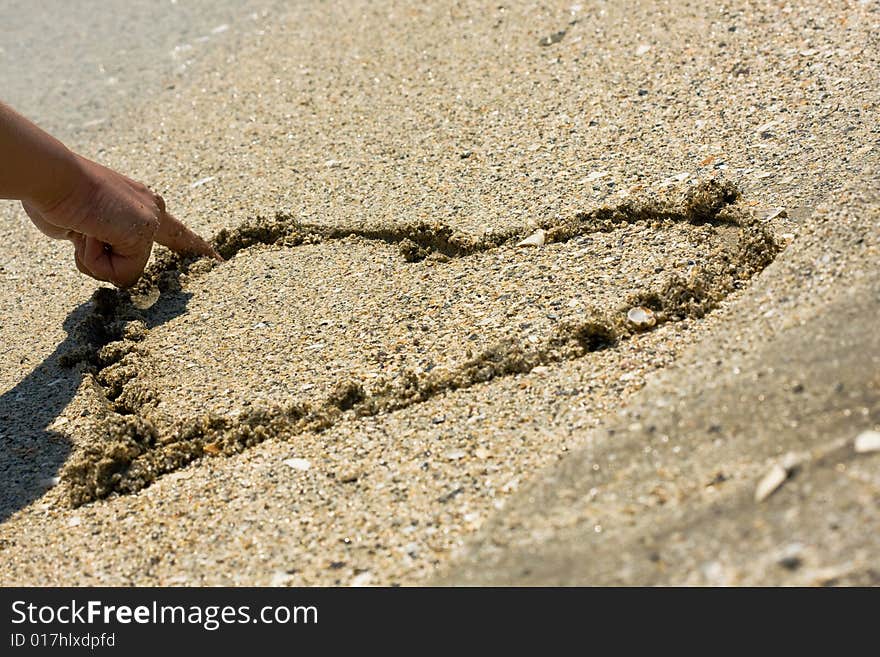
(112, 220)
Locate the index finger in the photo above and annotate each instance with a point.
(180, 239)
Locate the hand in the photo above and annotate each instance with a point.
(112, 222)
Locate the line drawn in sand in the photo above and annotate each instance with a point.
(129, 449)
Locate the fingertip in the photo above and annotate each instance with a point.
(176, 236)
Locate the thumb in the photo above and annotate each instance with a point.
(105, 264)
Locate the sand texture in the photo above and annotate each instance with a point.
(383, 384)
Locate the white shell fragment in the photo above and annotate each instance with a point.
(867, 441)
(535, 239)
(774, 478)
(364, 579)
(766, 127)
(201, 181)
(280, 578)
(298, 464)
(641, 317)
(677, 178)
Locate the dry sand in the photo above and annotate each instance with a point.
(325, 408)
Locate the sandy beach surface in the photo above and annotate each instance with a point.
(675, 380)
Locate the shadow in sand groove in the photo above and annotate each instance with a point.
(32, 453)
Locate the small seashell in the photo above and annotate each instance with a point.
(766, 128)
(347, 475)
(201, 181)
(677, 178)
(298, 464)
(867, 441)
(774, 478)
(281, 578)
(363, 579)
(641, 317)
(556, 37)
(535, 239)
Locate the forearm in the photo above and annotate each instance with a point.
(34, 166)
